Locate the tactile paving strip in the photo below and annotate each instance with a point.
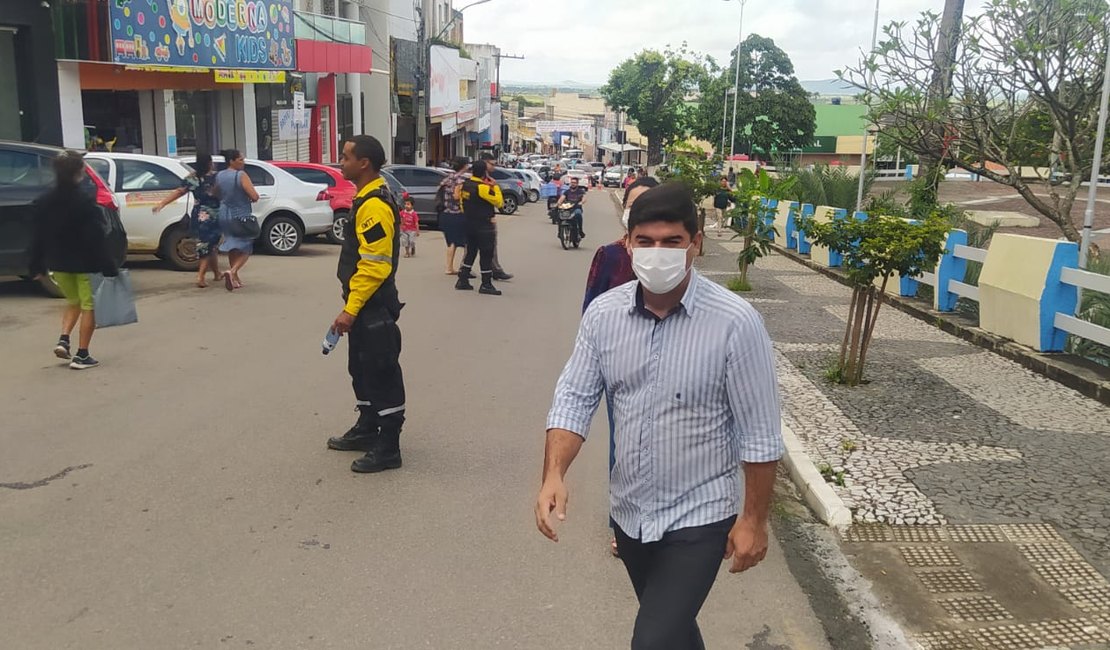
(949, 581)
(870, 533)
(1041, 553)
(976, 533)
(917, 534)
(929, 556)
(1030, 533)
(1090, 598)
(975, 608)
(944, 640)
(1071, 632)
(1067, 574)
(1006, 637)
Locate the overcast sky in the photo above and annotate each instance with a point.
(582, 40)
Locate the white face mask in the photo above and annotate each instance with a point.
(659, 269)
(624, 217)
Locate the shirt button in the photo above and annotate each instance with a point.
(656, 357)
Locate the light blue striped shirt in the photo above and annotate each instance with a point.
(694, 395)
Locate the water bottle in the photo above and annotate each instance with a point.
(331, 339)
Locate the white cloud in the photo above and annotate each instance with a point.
(582, 40)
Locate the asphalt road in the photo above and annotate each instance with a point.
(181, 495)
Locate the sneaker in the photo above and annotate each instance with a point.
(61, 350)
(81, 363)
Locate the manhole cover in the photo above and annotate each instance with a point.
(975, 533)
(1006, 637)
(870, 533)
(944, 640)
(949, 581)
(975, 608)
(1092, 598)
(1066, 574)
(1030, 533)
(1072, 631)
(917, 534)
(928, 556)
(1049, 553)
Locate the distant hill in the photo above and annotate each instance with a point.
(572, 86)
(829, 87)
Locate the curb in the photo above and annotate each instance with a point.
(826, 505)
(1061, 368)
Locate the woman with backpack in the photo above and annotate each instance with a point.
(451, 220)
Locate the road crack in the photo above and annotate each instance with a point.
(44, 481)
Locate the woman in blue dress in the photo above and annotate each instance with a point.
(204, 221)
(236, 195)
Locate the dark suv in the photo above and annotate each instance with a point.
(421, 184)
(512, 189)
(26, 173)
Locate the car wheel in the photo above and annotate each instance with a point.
(179, 249)
(510, 204)
(282, 235)
(335, 235)
(533, 196)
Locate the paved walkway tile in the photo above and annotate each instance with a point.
(962, 469)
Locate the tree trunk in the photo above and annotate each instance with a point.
(655, 150)
(940, 90)
(849, 372)
(870, 331)
(701, 229)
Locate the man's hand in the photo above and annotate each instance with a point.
(343, 323)
(747, 544)
(553, 497)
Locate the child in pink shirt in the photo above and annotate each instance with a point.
(410, 229)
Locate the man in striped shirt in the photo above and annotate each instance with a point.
(689, 368)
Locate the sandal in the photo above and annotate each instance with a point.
(229, 284)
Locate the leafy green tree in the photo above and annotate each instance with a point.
(651, 87)
(875, 249)
(689, 165)
(774, 112)
(748, 217)
(1020, 83)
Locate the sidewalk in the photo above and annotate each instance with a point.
(979, 490)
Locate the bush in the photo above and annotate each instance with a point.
(824, 185)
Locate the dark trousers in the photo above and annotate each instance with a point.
(672, 578)
(373, 359)
(480, 240)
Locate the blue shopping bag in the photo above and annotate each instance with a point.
(549, 190)
(113, 300)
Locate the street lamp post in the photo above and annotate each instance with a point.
(1096, 163)
(736, 83)
(866, 130)
(724, 121)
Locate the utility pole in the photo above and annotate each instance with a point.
(1096, 163)
(866, 129)
(422, 74)
(736, 84)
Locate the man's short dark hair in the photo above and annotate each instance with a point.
(646, 181)
(669, 202)
(485, 155)
(459, 163)
(479, 168)
(368, 147)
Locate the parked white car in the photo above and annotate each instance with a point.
(532, 183)
(139, 183)
(288, 208)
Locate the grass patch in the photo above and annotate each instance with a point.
(833, 373)
(738, 284)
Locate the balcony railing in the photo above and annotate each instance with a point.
(317, 27)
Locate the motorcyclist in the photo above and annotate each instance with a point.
(575, 196)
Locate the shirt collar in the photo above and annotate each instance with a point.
(688, 304)
(371, 186)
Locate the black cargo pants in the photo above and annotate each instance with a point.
(373, 360)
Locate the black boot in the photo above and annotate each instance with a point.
(463, 283)
(487, 287)
(501, 275)
(385, 454)
(359, 437)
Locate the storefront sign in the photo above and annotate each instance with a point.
(549, 126)
(298, 107)
(290, 128)
(254, 34)
(164, 68)
(249, 76)
(468, 110)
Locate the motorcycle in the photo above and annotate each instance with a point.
(568, 229)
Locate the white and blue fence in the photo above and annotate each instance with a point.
(1028, 288)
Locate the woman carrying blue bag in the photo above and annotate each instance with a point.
(239, 227)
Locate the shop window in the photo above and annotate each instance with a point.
(312, 175)
(260, 177)
(137, 175)
(22, 169)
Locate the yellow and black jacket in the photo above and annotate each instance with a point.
(368, 259)
(479, 200)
